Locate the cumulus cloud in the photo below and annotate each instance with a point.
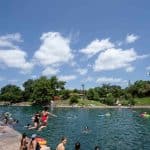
(82, 71)
(131, 38)
(97, 46)
(11, 55)
(8, 41)
(15, 59)
(67, 77)
(50, 71)
(113, 59)
(55, 49)
(106, 80)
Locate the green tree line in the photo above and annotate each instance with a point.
(43, 90)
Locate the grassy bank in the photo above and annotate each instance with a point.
(142, 101)
(81, 102)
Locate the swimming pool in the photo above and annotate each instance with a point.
(123, 129)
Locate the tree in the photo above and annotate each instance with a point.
(65, 94)
(45, 89)
(11, 93)
(28, 89)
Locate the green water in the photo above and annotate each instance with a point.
(123, 130)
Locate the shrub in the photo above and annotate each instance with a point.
(74, 99)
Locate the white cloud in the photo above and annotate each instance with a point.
(107, 80)
(97, 46)
(113, 59)
(50, 71)
(15, 59)
(11, 55)
(55, 49)
(9, 39)
(67, 77)
(131, 38)
(82, 71)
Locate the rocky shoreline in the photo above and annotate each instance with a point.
(10, 139)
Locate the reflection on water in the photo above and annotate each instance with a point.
(123, 129)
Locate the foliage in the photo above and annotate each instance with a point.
(28, 89)
(142, 101)
(74, 99)
(11, 93)
(65, 94)
(43, 90)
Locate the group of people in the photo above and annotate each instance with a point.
(33, 144)
(7, 119)
(61, 145)
(29, 143)
(40, 120)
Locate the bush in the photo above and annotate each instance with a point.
(128, 102)
(74, 99)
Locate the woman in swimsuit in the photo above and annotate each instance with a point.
(44, 118)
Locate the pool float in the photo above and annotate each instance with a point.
(41, 141)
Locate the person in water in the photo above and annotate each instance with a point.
(36, 120)
(86, 129)
(34, 145)
(61, 145)
(97, 148)
(24, 142)
(44, 118)
(77, 146)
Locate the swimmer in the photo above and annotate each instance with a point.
(36, 121)
(28, 125)
(97, 148)
(86, 129)
(61, 145)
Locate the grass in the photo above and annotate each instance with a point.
(85, 102)
(142, 101)
(82, 102)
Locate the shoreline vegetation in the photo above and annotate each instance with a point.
(44, 90)
(61, 104)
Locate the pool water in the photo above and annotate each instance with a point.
(122, 129)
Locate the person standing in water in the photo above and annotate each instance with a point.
(24, 142)
(77, 146)
(61, 145)
(36, 120)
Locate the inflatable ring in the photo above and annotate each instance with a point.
(41, 141)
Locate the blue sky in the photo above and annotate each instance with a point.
(88, 42)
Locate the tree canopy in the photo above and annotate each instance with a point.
(43, 90)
